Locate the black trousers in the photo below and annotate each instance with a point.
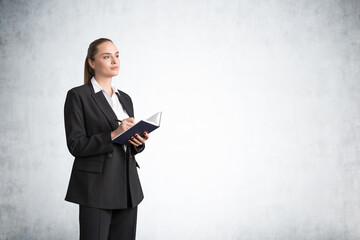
(101, 224)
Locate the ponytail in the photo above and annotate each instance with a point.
(92, 50)
(88, 72)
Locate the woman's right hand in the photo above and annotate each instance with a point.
(125, 125)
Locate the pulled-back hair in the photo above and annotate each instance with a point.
(92, 50)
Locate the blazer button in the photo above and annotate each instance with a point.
(109, 155)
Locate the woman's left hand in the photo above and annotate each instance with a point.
(137, 140)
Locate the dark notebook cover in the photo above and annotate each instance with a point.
(138, 128)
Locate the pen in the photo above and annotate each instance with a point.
(118, 120)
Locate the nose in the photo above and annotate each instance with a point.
(114, 59)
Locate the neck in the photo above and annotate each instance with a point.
(105, 83)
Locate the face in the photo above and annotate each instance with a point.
(106, 61)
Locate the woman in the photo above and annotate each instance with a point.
(104, 179)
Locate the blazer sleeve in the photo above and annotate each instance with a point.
(138, 149)
(78, 141)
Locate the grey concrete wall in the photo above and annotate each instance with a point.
(260, 136)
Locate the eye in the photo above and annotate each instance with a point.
(106, 57)
(117, 56)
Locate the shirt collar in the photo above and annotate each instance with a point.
(98, 88)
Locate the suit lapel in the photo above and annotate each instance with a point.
(125, 103)
(104, 106)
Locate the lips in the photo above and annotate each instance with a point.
(115, 68)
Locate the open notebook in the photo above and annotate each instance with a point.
(142, 126)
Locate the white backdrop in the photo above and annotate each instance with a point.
(260, 135)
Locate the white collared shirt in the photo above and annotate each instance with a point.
(113, 100)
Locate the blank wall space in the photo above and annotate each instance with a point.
(261, 122)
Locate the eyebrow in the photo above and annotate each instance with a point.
(108, 53)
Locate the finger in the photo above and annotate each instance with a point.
(127, 122)
(135, 140)
(146, 135)
(128, 125)
(136, 145)
(138, 137)
(131, 120)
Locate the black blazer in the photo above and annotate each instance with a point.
(99, 177)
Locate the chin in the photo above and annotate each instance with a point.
(114, 73)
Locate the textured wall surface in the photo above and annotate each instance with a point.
(260, 137)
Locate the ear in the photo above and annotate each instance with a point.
(91, 63)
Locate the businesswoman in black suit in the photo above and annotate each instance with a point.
(104, 179)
